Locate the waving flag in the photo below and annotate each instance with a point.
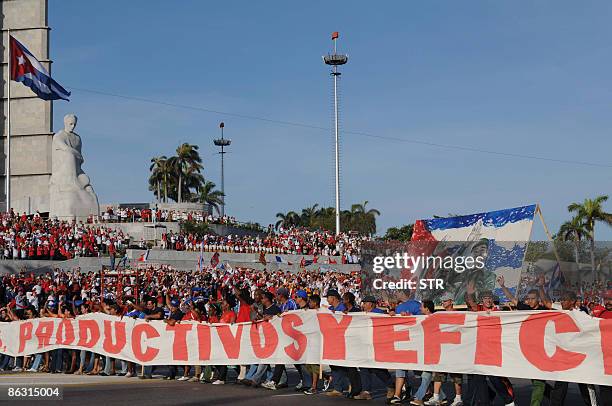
(500, 237)
(25, 68)
(281, 260)
(144, 256)
(214, 261)
(557, 280)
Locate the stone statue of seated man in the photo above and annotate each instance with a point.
(70, 189)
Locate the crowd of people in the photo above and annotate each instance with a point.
(34, 237)
(226, 295)
(148, 215)
(296, 241)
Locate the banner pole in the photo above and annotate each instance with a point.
(8, 133)
(550, 239)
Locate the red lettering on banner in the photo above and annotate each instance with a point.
(334, 345)
(66, 329)
(488, 341)
(270, 337)
(150, 332)
(119, 336)
(89, 333)
(532, 336)
(25, 334)
(384, 337)
(203, 341)
(44, 331)
(433, 337)
(297, 349)
(231, 343)
(179, 344)
(605, 327)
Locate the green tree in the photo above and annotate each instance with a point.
(574, 231)
(160, 171)
(589, 212)
(309, 214)
(187, 158)
(208, 195)
(403, 233)
(363, 219)
(290, 219)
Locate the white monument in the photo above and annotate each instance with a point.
(70, 192)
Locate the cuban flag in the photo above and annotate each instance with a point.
(500, 237)
(500, 225)
(25, 68)
(143, 257)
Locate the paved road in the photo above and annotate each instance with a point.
(97, 390)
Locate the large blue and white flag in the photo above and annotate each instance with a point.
(25, 68)
(500, 237)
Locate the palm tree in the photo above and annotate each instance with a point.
(160, 169)
(308, 214)
(207, 194)
(366, 219)
(573, 230)
(589, 212)
(287, 220)
(192, 180)
(187, 157)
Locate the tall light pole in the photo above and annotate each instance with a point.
(222, 142)
(334, 60)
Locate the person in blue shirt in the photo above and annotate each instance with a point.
(368, 304)
(409, 308)
(340, 374)
(285, 302)
(335, 301)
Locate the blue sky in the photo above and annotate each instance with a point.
(521, 77)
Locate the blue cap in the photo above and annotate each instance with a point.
(78, 302)
(175, 302)
(302, 294)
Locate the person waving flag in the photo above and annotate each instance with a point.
(25, 68)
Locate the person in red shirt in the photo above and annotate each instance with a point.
(227, 316)
(607, 312)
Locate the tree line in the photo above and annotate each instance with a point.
(359, 219)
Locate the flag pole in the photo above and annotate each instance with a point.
(8, 133)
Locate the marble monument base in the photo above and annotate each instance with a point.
(78, 204)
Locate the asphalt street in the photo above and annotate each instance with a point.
(98, 390)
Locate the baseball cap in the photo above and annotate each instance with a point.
(370, 299)
(333, 292)
(175, 302)
(282, 291)
(302, 293)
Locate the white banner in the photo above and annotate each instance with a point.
(553, 345)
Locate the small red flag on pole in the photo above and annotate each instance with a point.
(335, 35)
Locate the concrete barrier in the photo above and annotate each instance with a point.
(189, 260)
(183, 260)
